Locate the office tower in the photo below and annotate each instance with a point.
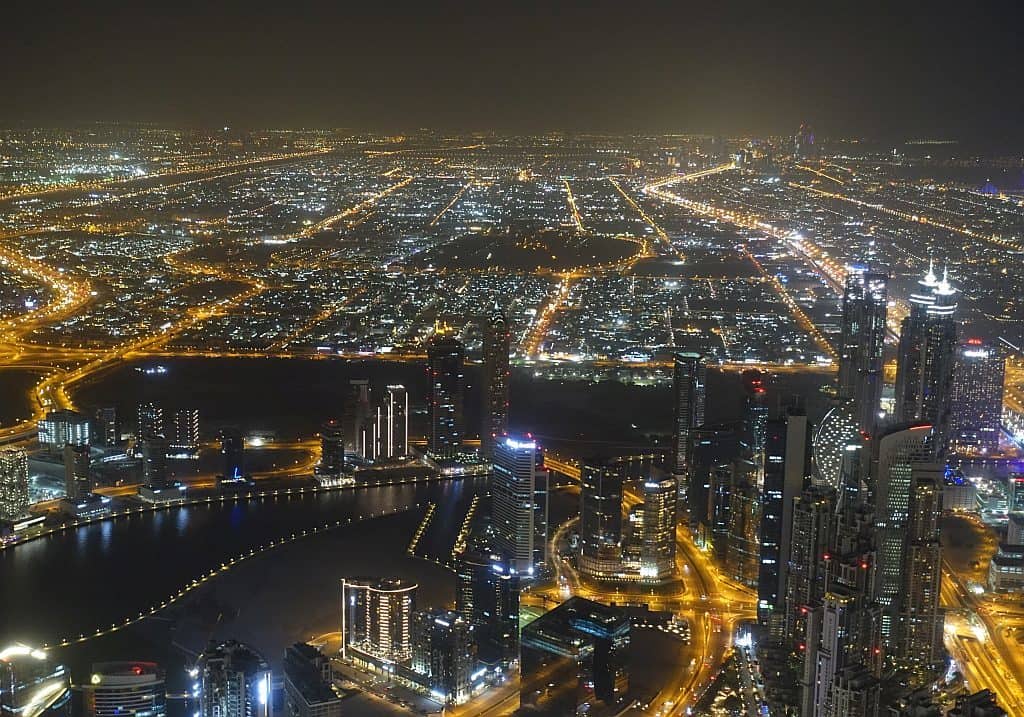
(332, 450)
(32, 684)
(77, 482)
(394, 434)
(233, 680)
(786, 465)
(895, 455)
(232, 454)
(376, 618)
(14, 495)
(743, 548)
(442, 651)
(108, 427)
(445, 356)
(926, 353)
(488, 596)
(977, 396)
(658, 548)
(154, 462)
(307, 683)
(574, 659)
(125, 689)
(519, 503)
(755, 417)
(184, 440)
(919, 648)
(813, 526)
(714, 449)
(496, 374)
(689, 388)
(59, 428)
(861, 344)
(149, 421)
(359, 420)
(600, 524)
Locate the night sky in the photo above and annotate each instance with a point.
(923, 69)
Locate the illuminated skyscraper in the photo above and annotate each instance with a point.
(443, 653)
(77, 481)
(59, 428)
(233, 680)
(445, 356)
(755, 417)
(977, 399)
(488, 596)
(927, 349)
(332, 450)
(658, 549)
(32, 684)
(108, 427)
(232, 454)
(154, 462)
(184, 440)
(519, 503)
(359, 422)
(689, 388)
(394, 433)
(125, 689)
(862, 342)
(149, 421)
(376, 618)
(497, 337)
(309, 684)
(813, 526)
(600, 519)
(14, 496)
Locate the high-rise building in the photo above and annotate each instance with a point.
(359, 422)
(14, 495)
(394, 435)
(919, 648)
(443, 652)
(1015, 492)
(689, 388)
(496, 374)
(519, 503)
(32, 684)
(574, 659)
(805, 570)
(488, 596)
(865, 298)
(977, 396)
(742, 559)
(895, 455)
(125, 689)
(154, 462)
(232, 454)
(714, 449)
(755, 417)
(658, 541)
(184, 439)
(926, 354)
(108, 427)
(307, 683)
(376, 618)
(445, 357)
(786, 467)
(77, 480)
(332, 450)
(59, 428)
(149, 421)
(600, 520)
(233, 680)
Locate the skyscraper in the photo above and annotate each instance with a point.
(861, 344)
(376, 617)
(32, 684)
(233, 680)
(59, 428)
(488, 596)
(443, 652)
(755, 417)
(977, 395)
(154, 462)
(600, 519)
(394, 435)
(125, 689)
(714, 449)
(308, 683)
(658, 549)
(332, 450)
(149, 421)
(813, 526)
(77, 481)
(14, 496)
(926, 353)
(232, 454)
(108, 427)
(358, 420)
(689, 379)
(519, 503)
(497, 337)
(445, 356)
(184, 440)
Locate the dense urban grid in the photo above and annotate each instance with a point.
(855, 548)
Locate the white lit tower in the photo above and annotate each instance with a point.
(862, 343)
